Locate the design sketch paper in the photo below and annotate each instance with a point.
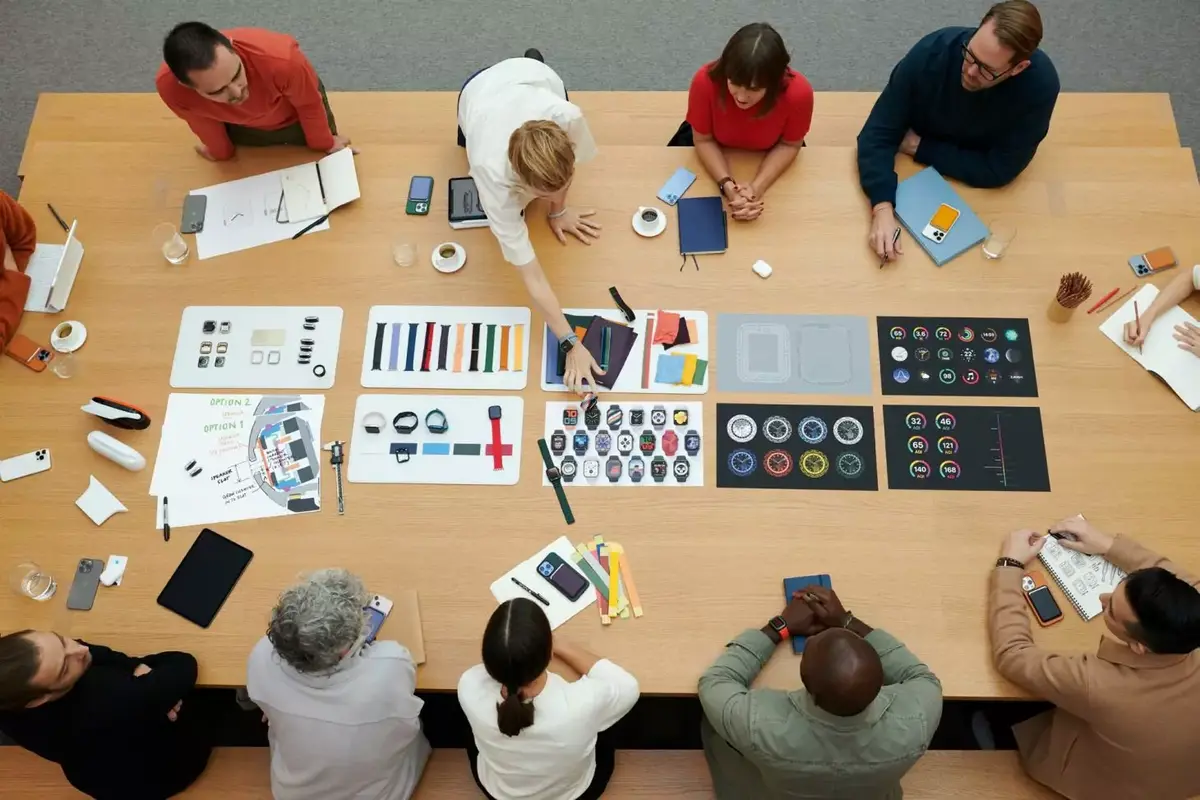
(242, 214)
(259, 455)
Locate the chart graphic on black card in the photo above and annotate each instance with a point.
(762, 446)
(956, 357)
(967, 448)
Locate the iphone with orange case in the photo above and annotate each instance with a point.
(1037, 593)
(29, 352)
(940, 223)
(1147, 264)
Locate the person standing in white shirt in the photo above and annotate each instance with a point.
(343, 717)
(536, 734)
(523, 141)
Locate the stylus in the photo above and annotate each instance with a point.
(310, 226)
(536, 596)
(166, 525)
(61, 221)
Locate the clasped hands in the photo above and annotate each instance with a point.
(173, 714)
(812, 610)
(744, 202)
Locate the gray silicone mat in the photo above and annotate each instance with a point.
(793, 354)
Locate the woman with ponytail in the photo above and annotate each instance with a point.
(536, 734)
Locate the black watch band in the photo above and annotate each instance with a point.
(1005, 561)
(556, 481)
(406, 427)
(436, 421)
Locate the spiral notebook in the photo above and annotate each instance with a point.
(1082, 578)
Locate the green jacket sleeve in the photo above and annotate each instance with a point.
(725, 687)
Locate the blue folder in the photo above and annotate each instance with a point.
(790, 585)
(918, 197)
(702, 226)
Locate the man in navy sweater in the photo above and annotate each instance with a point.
(974, 104)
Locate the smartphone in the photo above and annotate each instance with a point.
(420, 192)
(562, 576)
(1146, 264)
(940, 223)
(29, 352)
(377, 612)
(676, 185)
(194, 207)
(1037, 593)
(83, 588)
(25, 465)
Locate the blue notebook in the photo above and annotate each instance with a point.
(918, 197)
(702, 227)
(790, 585)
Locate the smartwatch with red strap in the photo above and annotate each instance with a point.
(779, 626)
(497, 450)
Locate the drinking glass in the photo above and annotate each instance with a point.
(1000, 236)
(64, 365)
(168, 241)
(29, 580)
(404, 253)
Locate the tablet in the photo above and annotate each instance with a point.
(205, 578)
(466, 211)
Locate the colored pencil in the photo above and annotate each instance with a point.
(1118, 298)
(1104, 299)
(1137, 320)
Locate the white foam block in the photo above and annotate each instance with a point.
(98, 502)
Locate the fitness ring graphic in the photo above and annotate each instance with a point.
(915, 421)
(945, 421)
(778, 463)
(777, 429)
(814, 463)
(850, 465)
(742, 463)
(813, 430)
(848, 430)
(741, 428)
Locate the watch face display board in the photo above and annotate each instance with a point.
(660, 352)
(956, 357)
(627, 444)
(428, 438)
(970, 448)
(257, 347)
(447, 347)
(794, 354)
(796, 447)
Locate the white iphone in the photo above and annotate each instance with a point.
(940, 223)
(377, 611)
(26, 465)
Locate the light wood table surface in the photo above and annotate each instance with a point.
(708, 561)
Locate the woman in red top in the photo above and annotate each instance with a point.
(748, 99)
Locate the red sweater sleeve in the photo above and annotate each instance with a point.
(299, 84)
(700, 103)
(210, 132)
(18, 234)
(18, 230)
(799, 97)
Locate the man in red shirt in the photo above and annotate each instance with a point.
(245, 86)
(748, 99)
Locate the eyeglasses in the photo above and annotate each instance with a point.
(987, 72)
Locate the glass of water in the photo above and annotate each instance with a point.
(172, 246)
(29, 580)
(404, 253)
(64, 365)
(1000, 236)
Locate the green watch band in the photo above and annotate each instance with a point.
(556, 482)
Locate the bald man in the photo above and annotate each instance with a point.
(867, 712)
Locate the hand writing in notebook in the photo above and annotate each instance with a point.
(1022, 545)
(1083, 537)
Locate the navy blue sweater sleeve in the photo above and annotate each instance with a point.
(1001, 162)
(889, 120)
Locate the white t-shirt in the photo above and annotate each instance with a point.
(495, 103)
(555, 757)
(353, 734)
(1196, 277)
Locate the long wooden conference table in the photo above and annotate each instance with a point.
(709, 561)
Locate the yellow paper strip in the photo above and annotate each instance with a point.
(627, 579)
(614, 580)
(689, 369)
(518, 347)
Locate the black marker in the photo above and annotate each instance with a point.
(535, 595)
(166, 525)
(310, 226)
(61, 221)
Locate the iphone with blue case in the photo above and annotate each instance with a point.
(674, 188)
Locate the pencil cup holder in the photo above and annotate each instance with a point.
(1057, 312)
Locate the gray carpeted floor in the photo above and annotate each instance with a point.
(113, 45)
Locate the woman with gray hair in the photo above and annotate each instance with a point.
(344, 721)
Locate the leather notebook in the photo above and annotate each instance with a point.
(790, 585)
(702, 226)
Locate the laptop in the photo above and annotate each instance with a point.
(52, 270)
(917, 200)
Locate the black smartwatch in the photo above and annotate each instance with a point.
(566, 345)
(406, 422)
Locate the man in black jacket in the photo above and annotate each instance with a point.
(116, 725)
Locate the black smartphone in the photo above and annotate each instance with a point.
(1044, 605)
(194, 208)
(83, 588)
(562, 576)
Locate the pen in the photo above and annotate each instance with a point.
(529, 591)
(895, 238)
(310, 226)
(61, 221)
(1104, 299)
(166, 525)
(1137, 320)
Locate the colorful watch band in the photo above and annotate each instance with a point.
(377, 354)
(497, 446)
(491, 345)
(443, 347)
(475, 326)
(412, 348)
(428, 354)
(460, 331)
(558, 487)
(518, 348)
(504, 329)
(394, 350)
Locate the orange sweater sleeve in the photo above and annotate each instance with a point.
(18, 234)
(210, 132)
(300, 85)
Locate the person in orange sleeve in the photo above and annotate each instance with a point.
(18, 238)
(244, 86)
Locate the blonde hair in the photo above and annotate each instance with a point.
(1018, 27)
(542, 155)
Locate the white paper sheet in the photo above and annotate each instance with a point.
(259, 455)
(1160, 352)
(560, 609)
(241, 214)
(313, 190)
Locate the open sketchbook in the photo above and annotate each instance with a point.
(316, 189)
(52, 270)
(1160, 352)
(1082, 578)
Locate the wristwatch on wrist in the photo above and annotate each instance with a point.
(779, 626)
(1005, 561)
(568, 343)
(721, 183)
